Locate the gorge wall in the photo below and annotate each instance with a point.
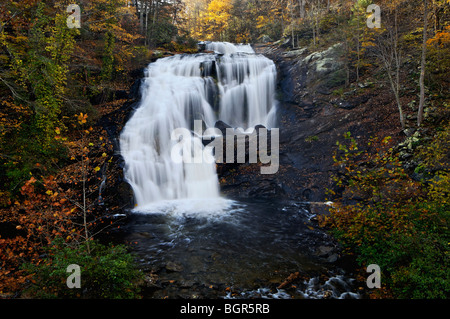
(312, 117)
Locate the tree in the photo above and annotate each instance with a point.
(41, 69)
(422, 64)
(218, 16)
(360, 32)
(389, 52)
(384, 217)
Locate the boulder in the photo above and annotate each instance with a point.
(325, 69)
(295, 53)
(265, 39)
(174, 267)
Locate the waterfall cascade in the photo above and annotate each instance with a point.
(234, 85)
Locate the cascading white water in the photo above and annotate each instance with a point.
(235, 86)
(246, 84)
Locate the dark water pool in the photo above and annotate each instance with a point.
(242, 250)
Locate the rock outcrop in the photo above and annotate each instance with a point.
(311, 119)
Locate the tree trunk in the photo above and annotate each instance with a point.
(155, 12)
(314, 34)
(141, 18)
(146, 24)
(422, 65)
(395, 90)
(359, 59)
(302, 8)
(391, 57)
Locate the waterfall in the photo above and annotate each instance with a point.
(234, 85)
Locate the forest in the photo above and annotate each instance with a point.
(64, 68)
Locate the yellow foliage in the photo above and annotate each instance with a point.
(217, 18)
(441, 39)
(440, 188)
(262, 21)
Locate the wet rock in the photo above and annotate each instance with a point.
(327, 294)
(174, 267)
(151, 281)
(222, 126)
(345, 105)
(319, 208)
(145, 235)
(324, 250)
(125, 195)
(188, 284)
(201, 46)
(266, 189)
(333, 258)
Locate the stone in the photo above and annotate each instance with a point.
(174, 267)
(409, 131)
(201, 46)
(295, 53)
(151, 280)
(324, 250)
(222, 126)
(265, 39)
(324, 68)
(346, 105)
(404, 156)
(145, 235)
(333, 258)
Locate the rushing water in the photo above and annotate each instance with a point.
(235, 86)
(246, 251)
(184, 231)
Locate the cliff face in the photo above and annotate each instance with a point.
(312, 116)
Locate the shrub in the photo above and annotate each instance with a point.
(108, 272)
(386, 218)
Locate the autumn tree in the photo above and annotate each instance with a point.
(36, 46)
(385, 217)
(438, 63)
(271, 18)
(359, 28)
(192, 16)
(40, 70)
(217, 18)
(389, 52)
(42, 214)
